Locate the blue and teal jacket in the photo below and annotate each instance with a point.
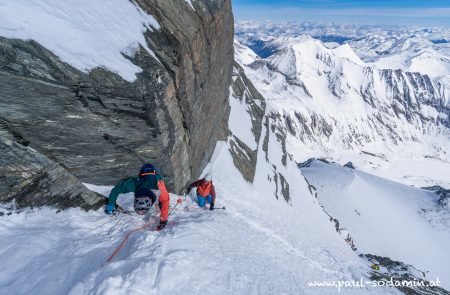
(134, 184)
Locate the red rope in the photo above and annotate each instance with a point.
(125, 240)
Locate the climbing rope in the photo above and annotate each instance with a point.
(125, 239)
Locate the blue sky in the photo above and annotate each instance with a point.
(407, 12)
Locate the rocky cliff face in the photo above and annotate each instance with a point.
(30, 178)
(245, 154)
(98, 127)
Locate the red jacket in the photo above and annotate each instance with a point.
(204, 188)
(164, 200)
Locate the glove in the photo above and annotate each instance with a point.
(179, 201)
(162, 224)
(109, 209)
(211, 207)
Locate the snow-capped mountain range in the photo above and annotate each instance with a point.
(413, 49)
(380, 39)
(332, 101)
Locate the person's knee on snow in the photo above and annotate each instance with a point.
(205, 191)
(201, 201)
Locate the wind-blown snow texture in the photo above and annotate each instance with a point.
(85, 34)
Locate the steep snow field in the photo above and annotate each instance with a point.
(240, 122)
(259, 245)
(390, 219)
(85, 34)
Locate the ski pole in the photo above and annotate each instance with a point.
(172, 209)
(220, 208)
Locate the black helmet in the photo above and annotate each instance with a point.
(147, 169)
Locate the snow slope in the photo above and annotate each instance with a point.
(240, 122)
(259, 245)
(387, 218)
(85, 34)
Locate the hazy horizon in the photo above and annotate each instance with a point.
(381, 12)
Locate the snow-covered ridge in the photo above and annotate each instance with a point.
(85, 34)
(386, 218)
(415, 49)
(329, 103)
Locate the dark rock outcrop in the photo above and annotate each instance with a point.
(401, 276)
(444, 195)
(28, 177)
(349, 165)
(99, 127)
(244, 158)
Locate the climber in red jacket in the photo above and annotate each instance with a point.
(205, 191)
(148, 188)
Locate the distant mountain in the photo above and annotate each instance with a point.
(412, 49)
(330, 101)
